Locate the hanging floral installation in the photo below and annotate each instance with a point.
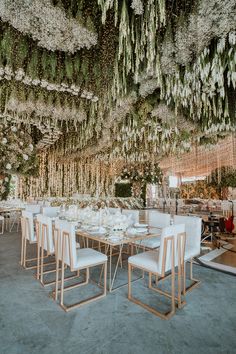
(147, 173)
(5, 181)
(17, 155)
(130, 81)
(221, 179)
(47, 24)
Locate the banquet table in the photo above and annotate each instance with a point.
(112, 243)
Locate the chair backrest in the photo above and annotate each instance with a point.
(28, 226)
(46, 232)
(134, 213)
(193, 229)
(69, 247)
(157, 219)
(114, 210)
(165, 251)
(33, 208)
(51, 211)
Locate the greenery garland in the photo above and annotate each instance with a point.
(147, 173)
(5, 184)
(223, 177)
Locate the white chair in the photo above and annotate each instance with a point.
(134, 213)
(193, 228)
(52, 212)
(158, 262)
(114, 210)
(45, 243)
(2, 222)
(156, 220)
(76, 259)
(29, 235)
(33, 208)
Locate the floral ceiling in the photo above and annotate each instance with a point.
(115, 80)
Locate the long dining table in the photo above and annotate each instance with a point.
(117, 243)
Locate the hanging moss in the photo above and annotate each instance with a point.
(22, 50)
(7, 45)
(69, 68)
(52, 63)
(33, 65)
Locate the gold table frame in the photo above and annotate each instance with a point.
(109, 246)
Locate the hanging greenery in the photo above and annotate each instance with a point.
(147, 173)
(126, 80)
(223, 177)
(5, 182)
(17, 151)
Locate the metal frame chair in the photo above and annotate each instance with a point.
(76, 259)
(158, 263)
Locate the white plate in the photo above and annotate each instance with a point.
(97, 232)
(137, 225)
(114, 239)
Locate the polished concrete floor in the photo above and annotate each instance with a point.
(31, 322)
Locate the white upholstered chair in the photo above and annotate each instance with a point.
(156, 220)
(134, 213)
(193, 228)
(45, 243)
(29, 235)
(52, 212)
(114, 210)
(76, 259)
(2, 220)
(158, 262)
(33, 208)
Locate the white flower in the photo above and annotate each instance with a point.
(6, 179)
(8, 166)
(31, 147)
(4, 141)
(14, 129)
(21, 143)
(137, 6)
(47, 24)
(25, 157)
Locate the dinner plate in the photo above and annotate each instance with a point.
(115, 239)
(98, 232)
(137, 225)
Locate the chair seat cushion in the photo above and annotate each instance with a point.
(88, 257)
(153, 242)
(146, 260)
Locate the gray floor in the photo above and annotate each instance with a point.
(31, 322)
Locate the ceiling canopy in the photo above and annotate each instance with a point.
(129, 80)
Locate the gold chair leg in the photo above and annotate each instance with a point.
(62, 284)
(38, 259)
(172, 290)
(129, 280)
(196, 282)
(184, 278)
(57, 276)
(22, 250)
(42, 260)
(105, 279)
(179, 286)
